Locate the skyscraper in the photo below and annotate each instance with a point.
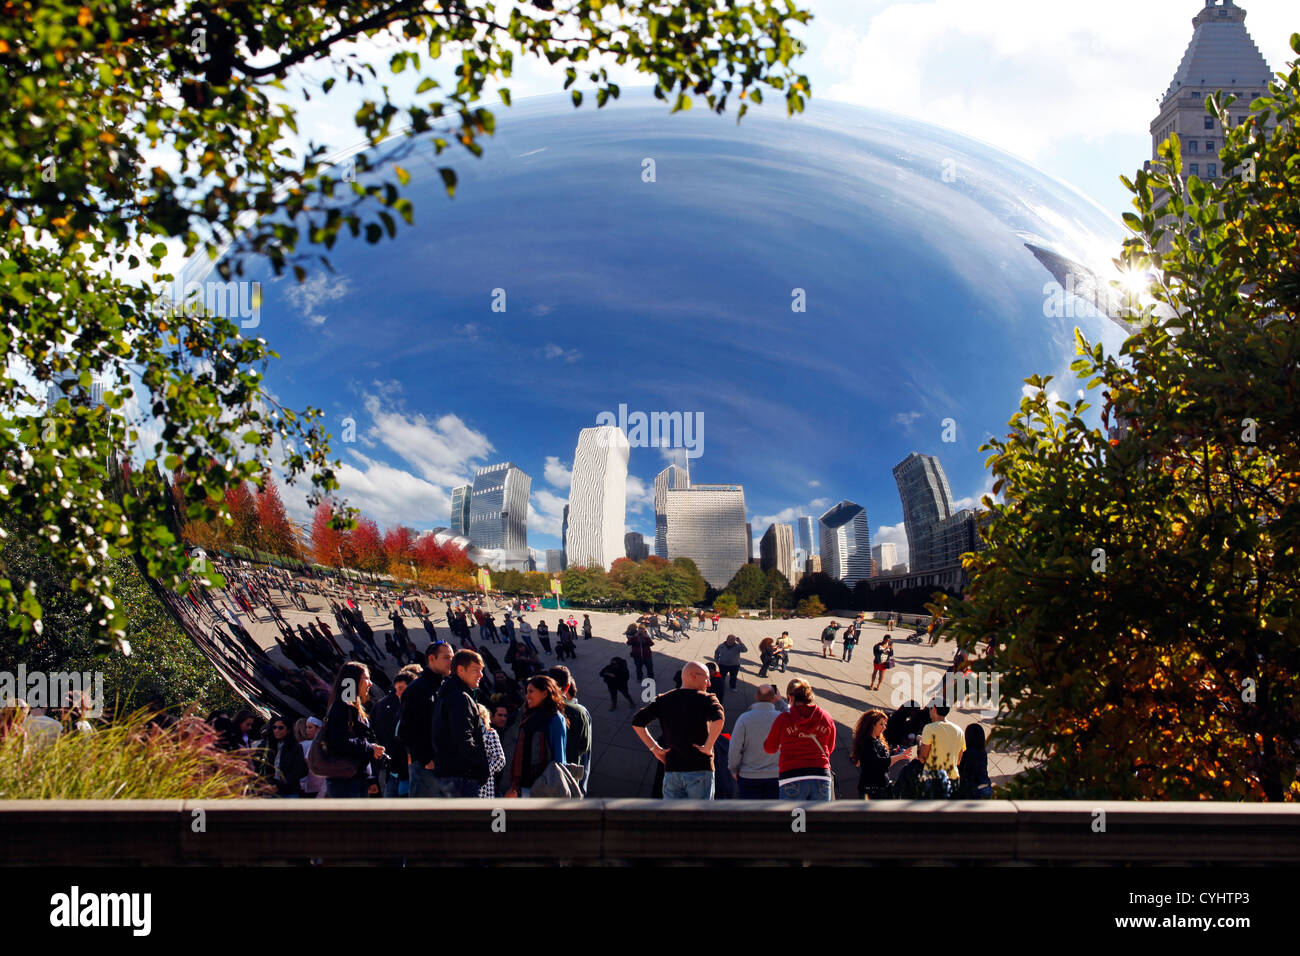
(923, 489)
(807, 535)
(1221, 56)
(554, 561)
(460, 499)
(846, 543)
(597, 498)
(498, 513)
(635, 546)
(706, 523)
(885, 555)
(674, 476)
(749, 543)
(776, 550)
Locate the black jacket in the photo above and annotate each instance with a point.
(416, 727)
(387, 713)
(293, 765)
(348, 734)
(458, 732)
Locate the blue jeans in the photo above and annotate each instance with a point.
(585, 762)
(757, 788)
(452, 787)
(688, 785)
(340, 788)
(423, 783)
(806, 790)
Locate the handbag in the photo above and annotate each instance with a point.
(320, 763)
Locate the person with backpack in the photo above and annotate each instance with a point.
(804, 738)
(615, 675)
(461, 765)
(347, 742)
(578, 739)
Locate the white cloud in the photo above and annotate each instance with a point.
(556, 473)
(317, 290)
(441, 450)
(814, 483)
(553, 351)
(546, 513)
(1021, 74)
(640, 495)
(905, 419)
(895, 534)
(389, 495)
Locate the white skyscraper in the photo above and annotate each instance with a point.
(498, 513)
(674, 476)
(846, 543)
(706, 523)
(885, 556)
(597, 498)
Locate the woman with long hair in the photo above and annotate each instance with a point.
(543, 734)
(280, 759)
(871, 755)
(973, 769)
(347, 729)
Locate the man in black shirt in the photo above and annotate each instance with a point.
(691, 719)
(416, 727)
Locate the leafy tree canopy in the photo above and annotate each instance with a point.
(1141, 589)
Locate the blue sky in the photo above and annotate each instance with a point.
(1068, 88)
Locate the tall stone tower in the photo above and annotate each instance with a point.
(1221, 56)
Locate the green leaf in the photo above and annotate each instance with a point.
(448, 179)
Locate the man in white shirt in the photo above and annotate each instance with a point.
(755, 770)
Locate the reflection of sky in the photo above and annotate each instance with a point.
(922, 302)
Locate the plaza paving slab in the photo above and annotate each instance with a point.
(622, 767)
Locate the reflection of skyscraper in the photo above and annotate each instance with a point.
(498, 514)
(885, 555)
(564, 531)
(749, 543)
(706, 523)
(635, 546)
(807, 537)
(923, 489)
(460, 499)
(597, 498)
(776, 550)
(846, 543)
(674, 476)
(554, 561)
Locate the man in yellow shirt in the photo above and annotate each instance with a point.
(783, 645)
(942, 742)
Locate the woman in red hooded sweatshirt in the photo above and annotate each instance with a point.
(804, 738)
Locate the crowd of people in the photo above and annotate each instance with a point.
(457, 721)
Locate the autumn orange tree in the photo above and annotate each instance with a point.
(1141, 588)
